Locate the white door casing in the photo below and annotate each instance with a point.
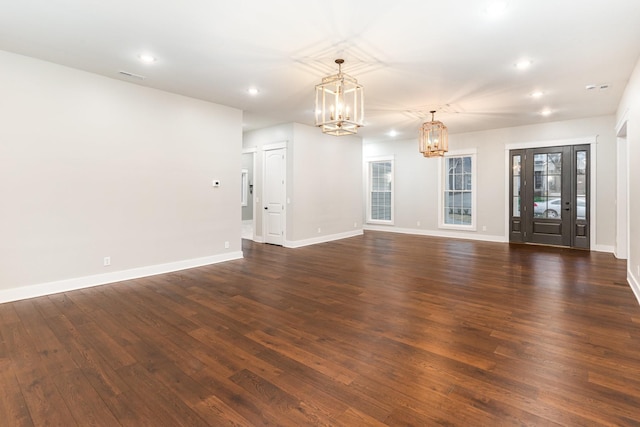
(274, 195)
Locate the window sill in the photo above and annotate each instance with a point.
(457, 227)
(379, 222)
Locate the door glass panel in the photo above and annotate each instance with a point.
(516, 161)
(581, 185)
(547, 181)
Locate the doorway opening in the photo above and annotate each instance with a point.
(247, 195)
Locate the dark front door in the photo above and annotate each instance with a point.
(549, 192)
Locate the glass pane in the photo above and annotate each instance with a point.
(581, 185)
(516, 165)
(516, 168)
(581, 162)
(547, 190)
(554, 163)
(381, 175)
(448, 208)
(458, 164)
(554, 185)
(581, 207)
(467, 181)
(467, 164)
(466, 208)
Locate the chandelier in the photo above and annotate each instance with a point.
(433, 140)
(339, 104)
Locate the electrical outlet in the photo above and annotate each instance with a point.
(355, 225)
(319, 230)
(418, 223)
(484, 228)
(107, 261)
(226, 245)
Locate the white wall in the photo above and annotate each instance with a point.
(324, 182)
(94, 167)
(416, 177)
(629, 110)
(327, 185)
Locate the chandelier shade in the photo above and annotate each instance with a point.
(339, 104)
(434, 139)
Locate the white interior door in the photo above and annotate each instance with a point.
(274, 196)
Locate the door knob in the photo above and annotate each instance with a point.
(266, 207)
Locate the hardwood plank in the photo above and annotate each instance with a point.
(51, 353)
(8, 314)
(327, 367)
(169, 406)
(12, 404)
(234, 396)
(92, 363)
(45, 403)
(379, 329)
(82, 399)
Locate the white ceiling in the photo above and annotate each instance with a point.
(411, 56)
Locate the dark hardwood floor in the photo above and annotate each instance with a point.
(382, 329)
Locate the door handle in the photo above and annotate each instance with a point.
(266, 207)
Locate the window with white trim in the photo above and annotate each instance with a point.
(457, 191)
(380, 191)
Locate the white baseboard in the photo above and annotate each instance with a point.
(462, 235)
(50, 288)
(322, 239)
(635, 284)
(438, 233)
(603, 248)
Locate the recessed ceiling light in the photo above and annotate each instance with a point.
(146, 58)
(253, 91)
(393, 133)
(523, 64)
(546, 112)
(536, 94)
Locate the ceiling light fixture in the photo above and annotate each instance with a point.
(339, 104)
(434, 139)
(546, 112)
(536, 94)
(523, 64)
(253, 91)
(146, 58)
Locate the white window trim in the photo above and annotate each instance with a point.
(368, 162)
(472, 152)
